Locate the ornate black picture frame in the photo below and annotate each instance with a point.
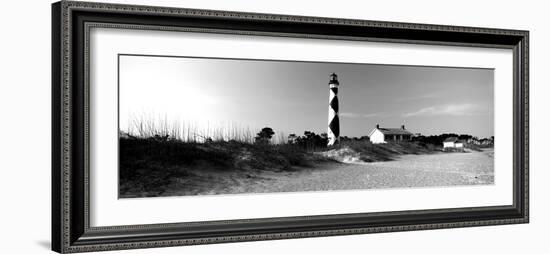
(71, 231)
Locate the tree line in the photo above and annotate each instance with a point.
(312, 140)
(438, 139)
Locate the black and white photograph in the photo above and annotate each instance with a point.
(210, 126)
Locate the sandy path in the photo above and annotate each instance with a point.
(441, 169)
(445, 169)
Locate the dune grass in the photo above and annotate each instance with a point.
(151, 126)
(149, 164)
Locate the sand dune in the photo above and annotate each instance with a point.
(440, 169)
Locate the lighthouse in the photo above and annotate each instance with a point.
(333, 132)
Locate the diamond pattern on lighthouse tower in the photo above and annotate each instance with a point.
(335, 126)
(334, 103)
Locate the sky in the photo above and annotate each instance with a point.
(292, 97)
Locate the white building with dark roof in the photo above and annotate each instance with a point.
(453, 143)
(382, 135)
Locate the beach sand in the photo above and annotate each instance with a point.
(428, 170)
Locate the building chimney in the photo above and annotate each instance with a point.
(403, 126)
(377, 126)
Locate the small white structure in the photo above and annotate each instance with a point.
(452, 144)
(383, 135)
